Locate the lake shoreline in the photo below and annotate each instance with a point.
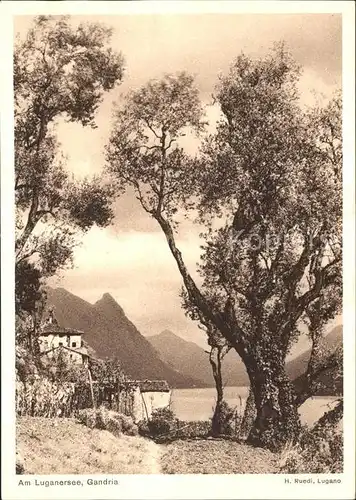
(198, 404)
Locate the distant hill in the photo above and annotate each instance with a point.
(109, 332)
(189, 358)
(192, 360)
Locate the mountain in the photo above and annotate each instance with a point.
(109, 332)
(192, 360)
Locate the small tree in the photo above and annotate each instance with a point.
(218, 350)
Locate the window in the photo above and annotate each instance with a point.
(74, 344)
(60, 343)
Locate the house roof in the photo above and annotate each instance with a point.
(153, 385)
(49, 328)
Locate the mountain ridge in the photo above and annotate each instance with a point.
(183, 363)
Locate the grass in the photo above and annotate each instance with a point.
(64, 446)
(216, 456)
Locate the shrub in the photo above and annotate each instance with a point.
(317, 453)
(164, 426)
(128, 426)
(88, 417)
(230, 420)
(102, 418)
(162, 422)
(143, 428)
(194, 429)
(114, 425)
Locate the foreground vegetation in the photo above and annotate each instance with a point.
(70, 446)
(65, 446)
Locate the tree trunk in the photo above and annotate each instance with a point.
(277, 421)
(215, 362)
(249, 415)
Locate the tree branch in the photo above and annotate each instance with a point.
(232, 333)
(151, 128)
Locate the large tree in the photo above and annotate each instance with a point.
(60, 72)
(275, 169)
(267, 186)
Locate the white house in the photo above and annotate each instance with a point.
(54, 338)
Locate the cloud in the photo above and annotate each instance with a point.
(314, 90)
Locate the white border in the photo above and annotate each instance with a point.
(193, 486)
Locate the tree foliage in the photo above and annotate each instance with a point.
(144, 150)
(60, 72)
(108, 371)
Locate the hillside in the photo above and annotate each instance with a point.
(64, 446)
(189, 358)
(111, 334)
(167, 356)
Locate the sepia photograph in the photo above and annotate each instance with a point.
(178, 236)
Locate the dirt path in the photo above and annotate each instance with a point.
(153, 460)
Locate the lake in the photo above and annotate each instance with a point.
(198, 404)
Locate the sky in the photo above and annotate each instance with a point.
(130, 259)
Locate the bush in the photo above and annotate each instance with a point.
(105, 419)
(194, 429)
(316, 453)
(162, 422)
(230, 420)
(164, 426)
(114, 425)
(128, 426)
(89, 417)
